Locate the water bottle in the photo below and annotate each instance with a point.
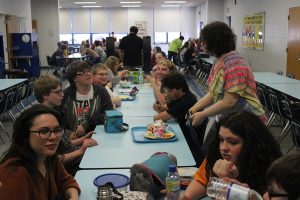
(222, 190)
(141, 76)
(131, 77)
(173, 183)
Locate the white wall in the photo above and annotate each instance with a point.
(120, 20)
(46, 14)
(19, 8)
(273, 58)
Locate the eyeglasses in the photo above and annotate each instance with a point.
(59, 92)
(274, 194)
(45, 132)
(85, 73)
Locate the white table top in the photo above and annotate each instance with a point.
(140, 107)
(269, 77)
(117, 150)
(85, 180)
(292, 90)
(209, 60)
(75, 56)
(7, 83)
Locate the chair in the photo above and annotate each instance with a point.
(292, 112)
(6, 105)
(262, 95)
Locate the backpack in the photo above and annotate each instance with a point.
(150, 175)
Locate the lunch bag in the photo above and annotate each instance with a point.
(150, 175)
(113, 122)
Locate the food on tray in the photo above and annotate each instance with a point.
(158, 130)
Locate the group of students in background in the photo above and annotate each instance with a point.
(238, 147)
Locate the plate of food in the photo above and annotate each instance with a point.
(158, 131)
(125, 97)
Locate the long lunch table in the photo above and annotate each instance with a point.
(118, 150)
(140, 107)
(8, 83)
(85, 179)
(291, 90)
(269, 77)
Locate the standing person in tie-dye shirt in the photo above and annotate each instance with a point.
(231, 83)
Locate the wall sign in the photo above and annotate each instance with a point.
(254, 31)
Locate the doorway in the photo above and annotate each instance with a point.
(293, 47)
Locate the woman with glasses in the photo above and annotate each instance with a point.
(283, 177)
(242, 148)
(84, 104)
(30, 169)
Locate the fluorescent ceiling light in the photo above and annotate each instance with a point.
(91, 6)
(129, 2)
(131, 6)
(170, 5)
(175, 1)
(85, 2)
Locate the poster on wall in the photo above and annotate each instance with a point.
(142, 26)
(254, 31)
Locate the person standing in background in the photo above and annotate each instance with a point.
(132, 47)
(174, 46)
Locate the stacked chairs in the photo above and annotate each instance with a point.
(292, 113)
(30, 98)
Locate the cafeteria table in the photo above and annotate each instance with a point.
(118, 150)
(269, 77)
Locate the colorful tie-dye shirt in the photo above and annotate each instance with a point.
(232, 73)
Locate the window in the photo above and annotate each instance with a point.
(160, 38)
(66, 37)
(78, 38)
(99, 36)
(120, 35)
(173, 35)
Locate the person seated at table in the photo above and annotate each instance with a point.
(155, 50)
(84, 104)
(57, 58)
(163, 68)
(181, 99)
(283, 178)
(183, 50)
(100, 77)
(114, 75)
(31, 168)
(241, 149)
(99, 50)
(48, 91)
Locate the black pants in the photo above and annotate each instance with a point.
(172, 55)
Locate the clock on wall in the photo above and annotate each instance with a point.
(26, 38)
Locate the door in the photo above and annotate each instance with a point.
(293, 51)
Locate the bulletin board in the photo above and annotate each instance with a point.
(254, 31)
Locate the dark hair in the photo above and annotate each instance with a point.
(219, 38)
(43, 86)
(259, 148)
(74, 67)
(134, 29)
(20, 147)
(158, 49)
(285, 172)
(175, 80)
(181, 38)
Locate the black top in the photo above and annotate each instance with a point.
(132, 46)
(178, 109)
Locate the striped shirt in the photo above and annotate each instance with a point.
(232, 73)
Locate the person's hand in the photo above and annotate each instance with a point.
(192, 110)
(89, 135)
(87, 143)
(197, 118)
(109, 84)
(73, 136)
(80, 131)
(156, 106)
(224, 168)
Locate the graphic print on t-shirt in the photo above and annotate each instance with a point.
(83, 105)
